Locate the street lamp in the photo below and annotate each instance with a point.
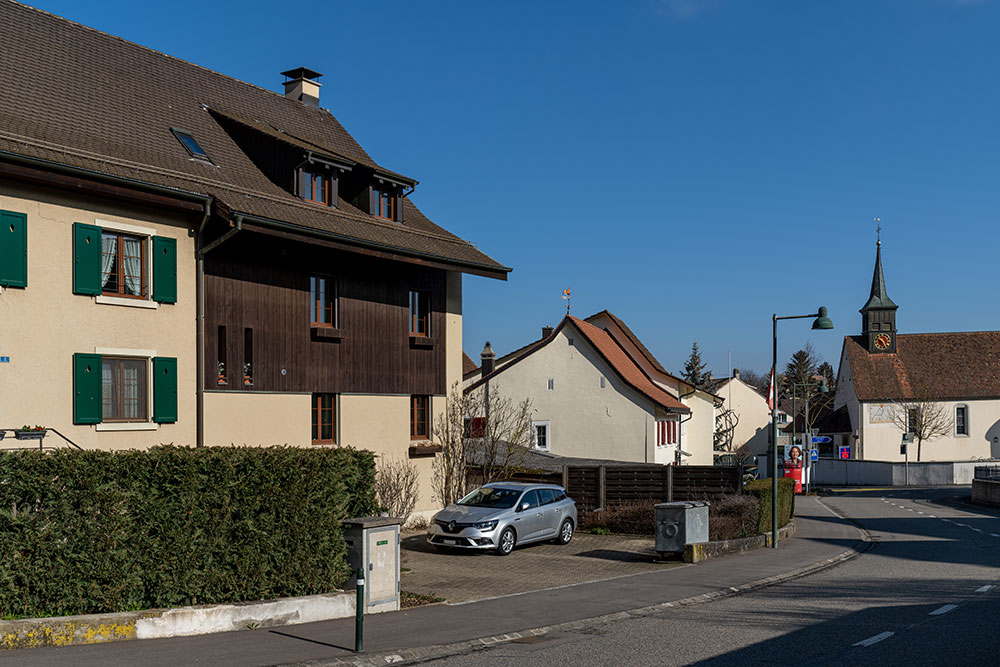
(822, 321)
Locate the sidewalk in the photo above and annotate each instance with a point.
(820, 536)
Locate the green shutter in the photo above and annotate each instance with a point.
(13, 249)
(164, 269)
(164, 390)
(86, 259)
(87, 404)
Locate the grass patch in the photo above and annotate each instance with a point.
(408, 600)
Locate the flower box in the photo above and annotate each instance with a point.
(30, 435)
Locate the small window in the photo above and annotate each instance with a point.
(551, 383)
(419, 428)
(912, 420)
(540, 435)
(384, 201)
(666, 432)
(420, 307)
(603, 382)
(124, 389)
(193, 148)
(322, 301)
(782, 418)
(248, 357)
(324, 419)
(571, 343)
(315, 186)
(961, 420)
(123, 265)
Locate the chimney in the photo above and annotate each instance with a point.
(736, 373)
(489, 359)
(301, 85)
(546, 332)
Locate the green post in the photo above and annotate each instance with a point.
(359, 614)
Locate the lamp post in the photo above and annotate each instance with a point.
(822, 321)
(823, 389)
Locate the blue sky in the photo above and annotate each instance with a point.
(691, 165)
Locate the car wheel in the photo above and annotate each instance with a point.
(565, 532)
(506, 542)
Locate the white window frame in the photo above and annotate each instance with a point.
(548, 435)
(147, 234)
(149, 424)
(964, 406)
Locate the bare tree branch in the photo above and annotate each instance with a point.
(925, 419)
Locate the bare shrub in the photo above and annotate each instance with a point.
(636, 518)
(733, 516)
(396, 487)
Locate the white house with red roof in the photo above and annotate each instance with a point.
(596, 392)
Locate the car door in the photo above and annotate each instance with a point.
(528, 522)
(551, 512)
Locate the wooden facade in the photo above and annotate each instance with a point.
(262, 283)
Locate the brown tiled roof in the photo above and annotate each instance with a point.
(78, 97)
(934, 366)
(468, 365)
(634, 340)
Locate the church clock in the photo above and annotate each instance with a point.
(882, 341)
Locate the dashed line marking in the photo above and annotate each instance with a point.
(994, 535)
(985, 589)
(978, 530)
(943, 610)
(876, 639)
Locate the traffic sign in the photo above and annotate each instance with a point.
(814, 455)
(845, 452)
(821, 439)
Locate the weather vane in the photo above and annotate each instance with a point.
(568, 296)
(878, 230)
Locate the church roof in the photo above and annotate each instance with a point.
(932, 366)
(878, 298)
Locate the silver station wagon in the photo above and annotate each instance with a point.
(500, 515)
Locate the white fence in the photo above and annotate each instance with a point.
(838, 472)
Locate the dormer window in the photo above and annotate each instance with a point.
(384, 201)
(318, 184)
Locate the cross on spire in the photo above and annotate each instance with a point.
(878, 231)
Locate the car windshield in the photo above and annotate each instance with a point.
(489, 496)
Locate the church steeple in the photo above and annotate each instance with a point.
(878, 315)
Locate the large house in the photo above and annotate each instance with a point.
(188, 258)
(597, 392)
(887, 378)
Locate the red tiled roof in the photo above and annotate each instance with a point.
(625, 366)
(468, 365)
(934, 366)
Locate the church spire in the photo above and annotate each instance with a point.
(878, 315)
(878, 297)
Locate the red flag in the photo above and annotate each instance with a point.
(770, 391)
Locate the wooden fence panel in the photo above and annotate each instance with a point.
(705, 482)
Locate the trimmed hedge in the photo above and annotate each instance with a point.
(786, 501)
(90, 532)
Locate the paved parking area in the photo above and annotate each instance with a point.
(463, 576)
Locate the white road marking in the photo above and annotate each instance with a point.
(994, 535)
(963, 525)
(985, 589)
(943, 610)
(876, 639)
(947, 520)
(932, 516)
(919, 512)
(978, 530)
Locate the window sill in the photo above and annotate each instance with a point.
(124, 301)
(127, 426)
(326, 333)
(422, 341)
(428, 449)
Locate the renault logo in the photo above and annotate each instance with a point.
(451, 526)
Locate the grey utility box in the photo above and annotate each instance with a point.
(373, 544)
(681, 523)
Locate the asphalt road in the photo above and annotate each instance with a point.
(926, 593)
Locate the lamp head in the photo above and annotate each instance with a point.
(822, 321)
(823, 389)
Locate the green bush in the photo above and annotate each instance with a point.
(90, 532)
(786, 501)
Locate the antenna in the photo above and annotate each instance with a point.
(568, 296)
(878, 231)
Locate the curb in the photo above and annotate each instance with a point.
(427, 653)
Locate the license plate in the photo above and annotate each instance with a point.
(450, 541)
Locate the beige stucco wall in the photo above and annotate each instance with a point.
(585, 420)
(751, 407)
(257, 418)
(43, 325)
(698, 431)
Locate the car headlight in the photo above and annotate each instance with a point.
(485, 525)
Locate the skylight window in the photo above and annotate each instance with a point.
(193, 148)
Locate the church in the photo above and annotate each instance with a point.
(943, 388)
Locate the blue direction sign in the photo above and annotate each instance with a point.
(821, 439)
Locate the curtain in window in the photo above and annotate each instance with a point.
(109, 249)
(130, 391)
(132, 259)
(108, 390)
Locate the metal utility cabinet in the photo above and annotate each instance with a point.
(373, 544)
(679, 524)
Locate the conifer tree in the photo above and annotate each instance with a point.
(694, 370)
